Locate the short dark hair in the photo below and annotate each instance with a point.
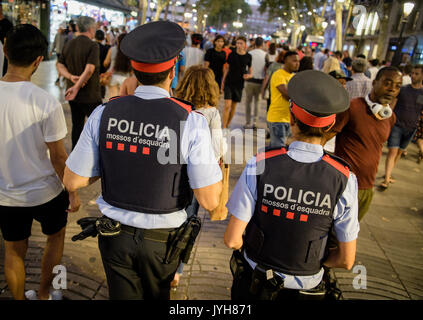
(217, 38)
(374, 62)
(306, 63)
(24, 44)
(418, 66)
(338, 54)
(383, 70)
(272, 48)
(288, 54)
(360, 55)
(151, 79)
(196, 38)
(99, 35)
(259, 41)
(242, 38)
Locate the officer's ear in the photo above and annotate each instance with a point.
(327, 129)
(172, 73)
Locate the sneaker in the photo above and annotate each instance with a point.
(56, 295)
(31, 295)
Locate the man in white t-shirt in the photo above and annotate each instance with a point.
(193, 54)
(253, 85)
(32, 129)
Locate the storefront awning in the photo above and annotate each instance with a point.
(110, 4)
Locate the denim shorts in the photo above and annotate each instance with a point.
(279, 132)
(400, 137)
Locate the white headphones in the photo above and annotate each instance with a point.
(380, 111)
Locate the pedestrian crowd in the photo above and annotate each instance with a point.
(328, 117)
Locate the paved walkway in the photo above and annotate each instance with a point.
(390, 244)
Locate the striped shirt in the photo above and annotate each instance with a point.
(359, 87)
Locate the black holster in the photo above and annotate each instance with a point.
(237, 264)
(182, 243)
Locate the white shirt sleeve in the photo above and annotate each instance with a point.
(53, 123)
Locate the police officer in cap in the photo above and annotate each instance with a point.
(288, 200)
(150, 151)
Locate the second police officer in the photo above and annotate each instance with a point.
(287, 201)
(149, 150)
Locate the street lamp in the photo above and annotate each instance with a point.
(205, 21)
(324, 24)
(239, 11)
(406, 11)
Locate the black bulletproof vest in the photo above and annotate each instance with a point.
(294, 211)
(132, 133)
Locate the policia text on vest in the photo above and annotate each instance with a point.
(296, 198)
(138, 131)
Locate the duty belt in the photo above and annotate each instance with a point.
(159, 235)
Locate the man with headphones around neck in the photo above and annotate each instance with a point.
(362, 130)
(407, 112)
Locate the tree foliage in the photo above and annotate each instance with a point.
(295, 9)
(220, 12)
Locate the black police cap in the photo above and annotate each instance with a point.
(317, 92)
(154, 42)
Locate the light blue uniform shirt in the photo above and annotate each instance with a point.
(196, 150)
(345, 217)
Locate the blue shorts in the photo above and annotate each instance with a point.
(400, 137)
(279, 132)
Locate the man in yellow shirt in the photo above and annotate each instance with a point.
(278, 116)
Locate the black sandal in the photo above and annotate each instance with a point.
(383, 186)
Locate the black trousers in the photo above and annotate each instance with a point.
(241, 289)
(134, 266)
(79, 111)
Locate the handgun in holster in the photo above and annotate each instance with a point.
(331, 286)
(237, 264)
(265, 284)
(183, 242)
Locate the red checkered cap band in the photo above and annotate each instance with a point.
(311, 120)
